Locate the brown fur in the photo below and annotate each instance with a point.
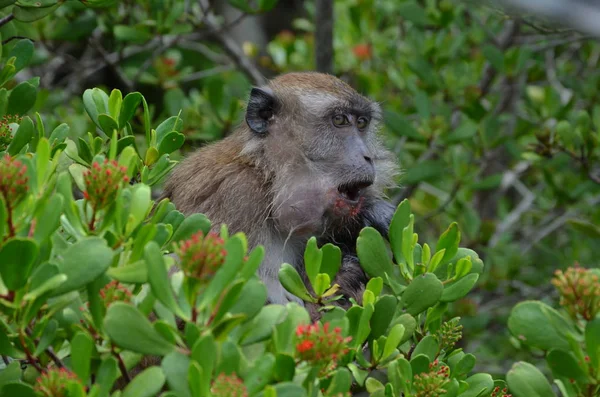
(274, 187)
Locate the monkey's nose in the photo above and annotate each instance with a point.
(368, 159)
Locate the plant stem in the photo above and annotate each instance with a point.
(122, 366)
(6, 19)
(32, 360)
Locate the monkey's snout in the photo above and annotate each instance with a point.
(352, 191)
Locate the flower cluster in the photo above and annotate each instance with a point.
(13, 181)
(5, 131)
(201, 256)
(432, 383)
(102, 183)
(579, 290)
(497, 392)
(54, 382)
(113, 292)
(449, 333)
(228, 386)
(320, 345)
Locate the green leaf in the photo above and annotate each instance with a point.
(107, 124)
(261, 374)
(129, 107)
(83, 262)
(48, 285)
(340, 382)
(146, 384)
(136, 273)
(428, 346)
(7, 348)
(106, 376)
(21, 98)
(479, 385)
(17, 256)
(494, 56)
(393, 340)
(47, 337)
(12, 389)
(400, 220)
(584, 227)
(23, 52)
(10, 373)
(422, 293)
(191, 225)
(312, 260)
(175, 366)
(114, 103)
(292, 282)
(426, 171)
(204, 353)
(564, 366)
(159, 278)
(82, 347)
(449, 241)
(22, 137)
(261, 326)
(172, 124)
(132, 34)
(372, 254)
(455, 291)
(525, 380)
(592, 341)
(171, 142)
(419, 363)
(141, 204)
(130, 329)
(529, 317)
(331, 260)
(381, 316)
(401, 126)
(413, 12)
(49, 219)
(285, 367)
(322, 284)
(464, 366)
(29, 14)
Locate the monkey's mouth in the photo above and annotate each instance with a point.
(353, 191)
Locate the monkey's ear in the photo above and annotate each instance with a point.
(260, 109)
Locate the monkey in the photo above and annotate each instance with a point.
(306, 161)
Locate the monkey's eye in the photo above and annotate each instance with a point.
(362, 123)
(339, 120)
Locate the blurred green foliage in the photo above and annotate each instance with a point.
(494, 117)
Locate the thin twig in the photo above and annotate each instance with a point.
(6, 19)
(231, 47)
(16, 38)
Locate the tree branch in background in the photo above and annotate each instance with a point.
(6, 19)
(230, 46)
(324, 36)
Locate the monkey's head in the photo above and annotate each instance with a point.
(318, 137)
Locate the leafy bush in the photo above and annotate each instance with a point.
(89, 307)
(82, 276)
(570, 337)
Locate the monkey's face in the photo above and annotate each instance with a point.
(321, 135)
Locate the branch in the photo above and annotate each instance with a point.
(95, 42)
(15, 38)
(6, 19)
(324, 36)
(230, 46)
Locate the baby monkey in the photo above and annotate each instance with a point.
(306, 162)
